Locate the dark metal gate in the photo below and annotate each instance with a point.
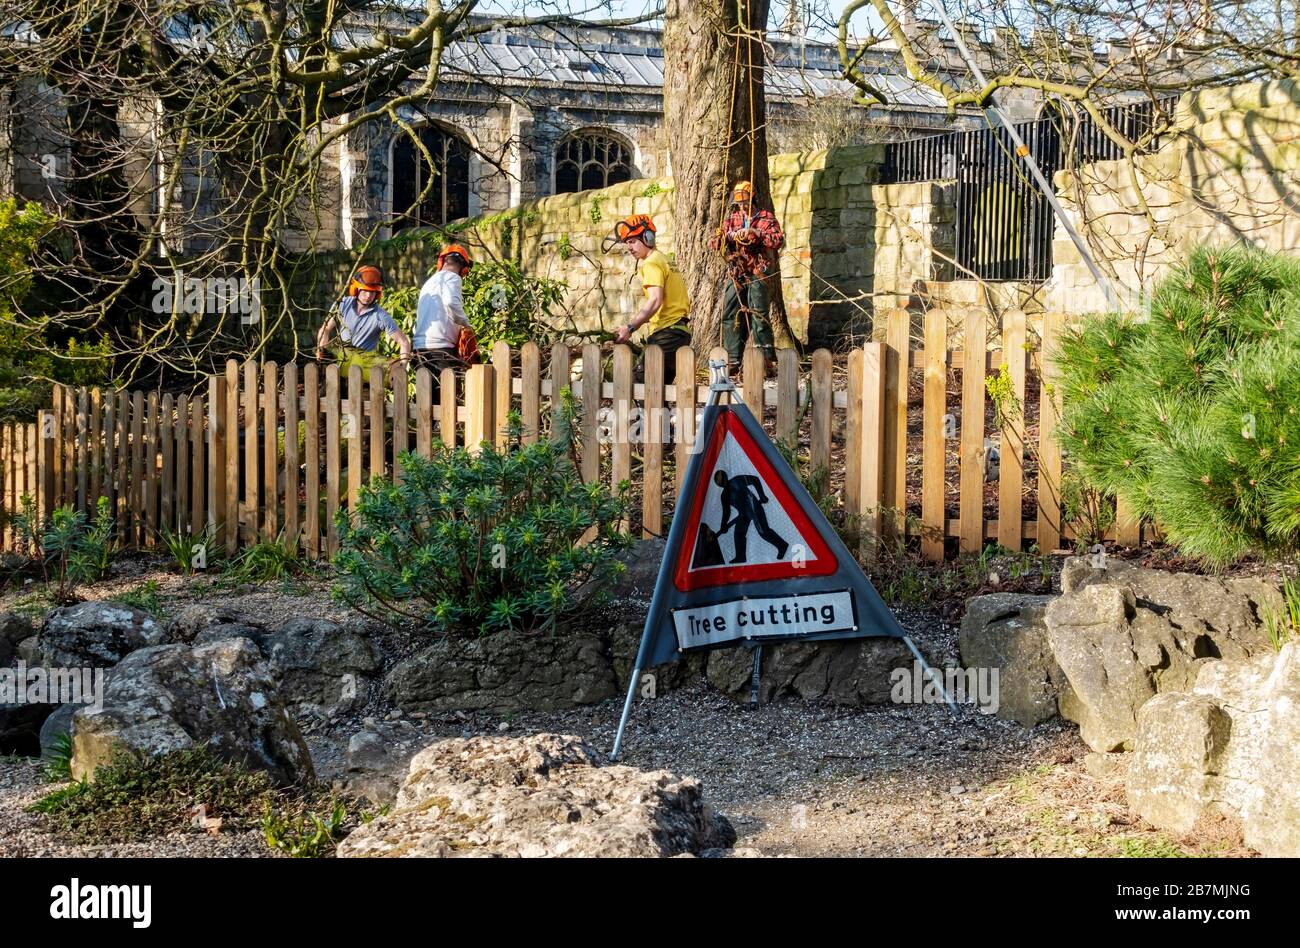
(1004, 224)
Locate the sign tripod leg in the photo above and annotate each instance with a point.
(934, 675)
(627, 709)
(754, 675)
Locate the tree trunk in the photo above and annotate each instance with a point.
(715, 116)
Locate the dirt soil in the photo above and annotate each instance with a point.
(794, 778)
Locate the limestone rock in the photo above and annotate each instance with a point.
(171, 697)
(505, 672)
(1123, 634)
(543, 795)
(1006, 631)
(1229, 748)
(95, 635)
(854, 672)
(625, 640)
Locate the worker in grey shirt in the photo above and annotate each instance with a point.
(361, 321)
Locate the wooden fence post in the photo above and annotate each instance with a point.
(684, 389)
(480, 406)
(292, 459)
(233, 468)
(620, 466)
(530, 396)
(501, 366)
(854, 451)
(971, 509)
(593, 377)
(871, 416)
(333, 456)
(217, 459)
(652, 440)
(932, 471)
(1049, 452)
(1011, 460)
(312, 446)
(899, 340)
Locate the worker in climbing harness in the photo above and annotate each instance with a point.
(749, 240)
(361, 321)
(443, 336)
(745, 493)
(666, 305)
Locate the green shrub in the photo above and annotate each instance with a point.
(1190, 416)
(72, 550)
(486, 541)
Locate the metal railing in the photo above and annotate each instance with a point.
(1004, 224)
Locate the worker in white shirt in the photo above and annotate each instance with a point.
(441, 323)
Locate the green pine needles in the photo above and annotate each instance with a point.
(483, 542)
(1191, 416)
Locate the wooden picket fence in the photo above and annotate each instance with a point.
(217, 462)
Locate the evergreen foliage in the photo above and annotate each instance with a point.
(1190, 416)
(481, 542)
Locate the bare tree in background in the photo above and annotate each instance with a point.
(212, 122)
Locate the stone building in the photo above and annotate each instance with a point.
(518, 115)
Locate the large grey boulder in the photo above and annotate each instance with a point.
(1123, 634)
(543, 795)
(505, 672)
(1006, 631)
(323, 666)
(95, 635)
(1231, 747)
(14, 629)
(854, 672)
(211, 623)
(321, 663)
(170, 697)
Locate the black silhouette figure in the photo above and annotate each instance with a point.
(744, 493)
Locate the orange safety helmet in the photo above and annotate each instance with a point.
(742, 187)
(450, 249)
(638, 225)
(367, 278)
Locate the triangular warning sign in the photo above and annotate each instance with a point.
(750, 557)
(743, 523)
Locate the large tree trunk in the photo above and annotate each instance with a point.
(715, 115)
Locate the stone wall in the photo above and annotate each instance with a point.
(914, 237)
(823, 199)
(1231, 175)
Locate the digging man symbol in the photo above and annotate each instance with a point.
(744, 493)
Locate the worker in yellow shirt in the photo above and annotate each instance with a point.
(666, 305)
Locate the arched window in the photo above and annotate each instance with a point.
(448, 195)
(591, 159)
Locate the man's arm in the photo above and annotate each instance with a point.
(323, 336)
(403, 343)
(769, 230)
(654, 299)
(453, 300)
(749, 480)
(726, 514)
